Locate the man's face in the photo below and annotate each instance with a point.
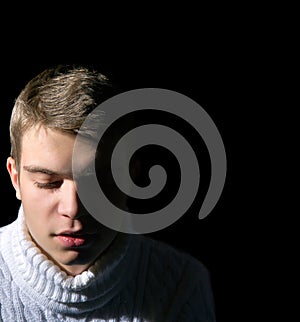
(54, 216)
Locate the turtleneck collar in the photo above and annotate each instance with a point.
(48, 285)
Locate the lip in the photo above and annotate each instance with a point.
(75, 233)
(74, 240)
(72, 232)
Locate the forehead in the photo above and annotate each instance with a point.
(43, 136)
(54, 149)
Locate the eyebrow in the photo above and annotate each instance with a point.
(37, 169)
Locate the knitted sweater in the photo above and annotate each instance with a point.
(136, 279)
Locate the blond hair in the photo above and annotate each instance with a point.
(58, 98)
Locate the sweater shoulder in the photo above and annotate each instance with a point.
(168, 256)
(5, 228)
(172, 267)
(173, 277)
(4, 271)
(5, 237)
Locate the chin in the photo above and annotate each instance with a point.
(75, 258)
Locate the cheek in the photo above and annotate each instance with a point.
(39, 205)
(38, 214)
(34, 196)
(39, 208)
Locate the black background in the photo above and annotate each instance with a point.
(220, 63)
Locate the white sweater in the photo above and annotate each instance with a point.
(137, 279)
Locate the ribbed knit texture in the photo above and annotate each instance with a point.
(136, 279)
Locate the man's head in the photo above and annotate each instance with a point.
(59, 98)
(45, 121)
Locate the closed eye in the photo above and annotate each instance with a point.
(49, 185)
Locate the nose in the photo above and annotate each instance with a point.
(68, 200)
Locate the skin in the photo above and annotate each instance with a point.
(50, 202)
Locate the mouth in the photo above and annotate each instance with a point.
(74, 240)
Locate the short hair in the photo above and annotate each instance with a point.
(59, 98)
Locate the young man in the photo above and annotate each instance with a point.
(58, 263)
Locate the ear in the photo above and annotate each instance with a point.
(12, 170)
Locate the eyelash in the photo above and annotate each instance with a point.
(49, 185)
